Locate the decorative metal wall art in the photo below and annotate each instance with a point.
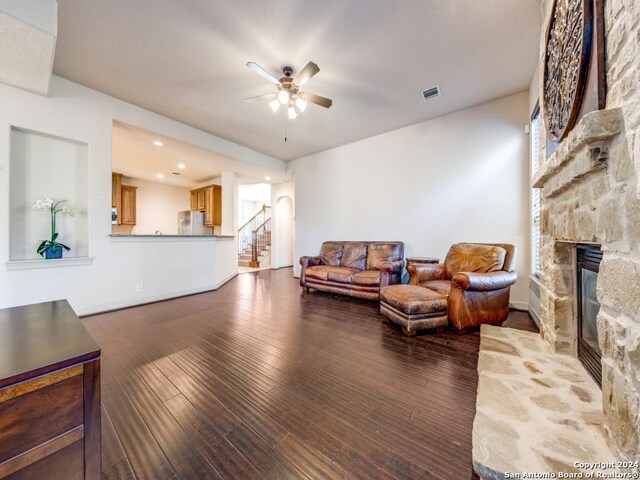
(566, 63)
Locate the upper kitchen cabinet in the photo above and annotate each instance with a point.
(201, 201)
(128, 215)
(194, 200)
(116, 184)
(208, 200)
(123, 199)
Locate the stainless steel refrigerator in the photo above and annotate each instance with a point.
(191, 223)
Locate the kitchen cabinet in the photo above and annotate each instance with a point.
(217, 205)
(208, 207)
(116, 193)
(208, 200)
(194, 200)
(128, 211)
(201, 199)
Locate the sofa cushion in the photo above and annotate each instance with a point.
(411, 299)
(331, 253)
(367, 277)
(318, 271)
(354, 255)
(468, 257)
(382, 252)
(342, 274)
(440, 286)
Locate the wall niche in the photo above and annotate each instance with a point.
(43, 165)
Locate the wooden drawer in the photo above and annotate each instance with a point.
(32, 416)
(65, 464)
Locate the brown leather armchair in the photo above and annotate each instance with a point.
(476, 278)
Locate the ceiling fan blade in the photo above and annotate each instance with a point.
(262, 98)
(263, 73)
(317, 99)
(304, 75)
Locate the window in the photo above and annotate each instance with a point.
(536, 134)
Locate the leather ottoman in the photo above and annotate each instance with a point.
(414, 308)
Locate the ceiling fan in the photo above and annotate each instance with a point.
(289, 89)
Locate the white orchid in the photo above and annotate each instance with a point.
(46, 203)
(68, 211)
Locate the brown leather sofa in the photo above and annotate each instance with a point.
(476, 278)
(358, 269)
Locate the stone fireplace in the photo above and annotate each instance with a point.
(590, 195)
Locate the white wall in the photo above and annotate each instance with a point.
(229, 186)
(460, 177)
(45, 166)
(251, 198)
(157, 206)
(165, 267)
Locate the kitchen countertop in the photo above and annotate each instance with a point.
(153, 235)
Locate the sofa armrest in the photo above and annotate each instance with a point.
(390, 272)
(421, 272)
(310, 261)
(483, 282)
(390, 267)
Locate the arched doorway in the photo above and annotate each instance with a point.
(284, 235)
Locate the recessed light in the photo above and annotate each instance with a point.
(159, 175)
(158, 143)
(268, 179)
(182, 166)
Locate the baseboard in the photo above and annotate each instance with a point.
(110, 307)
(534, 316)
(524, 306)
(281, 266)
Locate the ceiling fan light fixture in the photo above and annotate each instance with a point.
(292, 113)
(275, 105)
(301, 104)
(283, 97)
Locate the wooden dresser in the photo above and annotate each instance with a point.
(49, 394)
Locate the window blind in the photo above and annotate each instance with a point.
(536, 126)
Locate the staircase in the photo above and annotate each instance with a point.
(254, 239)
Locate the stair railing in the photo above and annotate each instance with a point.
(261, 237)
(245, 232)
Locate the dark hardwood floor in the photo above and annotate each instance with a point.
(257, 380)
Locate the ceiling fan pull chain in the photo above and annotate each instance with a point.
(286, 123)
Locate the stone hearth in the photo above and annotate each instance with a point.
(536, 411)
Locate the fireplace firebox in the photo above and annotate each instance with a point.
(588, 264)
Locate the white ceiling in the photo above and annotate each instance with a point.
(135, 155)
(186, 60)
(27, 43)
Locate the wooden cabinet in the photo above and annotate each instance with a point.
(208, 207)
(208, 200)
(123, 198)
(116, 183)
(200, 202)
(127, 215)
(49, 394)
(116, 194)
(217, 205)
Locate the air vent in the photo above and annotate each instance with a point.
(430, 93)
